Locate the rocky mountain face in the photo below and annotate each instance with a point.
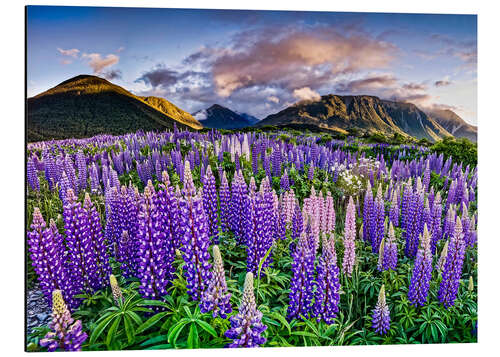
(454, 124)
(365, 113)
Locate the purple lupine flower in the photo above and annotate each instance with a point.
(195, 238)
(452, 271)
(246, 326)
(381, 317)
(329, 215)
(152, 269)
(81, 165)
(301, 284)
(326, 295)
(66, 334)
(390, 251)
(47, 255)
(377, 223)
(394, 210)
(225, 203)
(97, 243)
(368, 208)
(32, 176)
(210, 204)
(216, 297)
(442, 257)
(422, 272)
(69, 169)
(82, 263)
(238, 206)
(310, 173)
(435, 227)
(284, 182)
(297, 222)
(349, 238)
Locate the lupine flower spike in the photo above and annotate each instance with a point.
(216, 297)
(66, 334)
(115, 290)
(381, 317)
(246, 326)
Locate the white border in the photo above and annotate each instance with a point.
(12, 205)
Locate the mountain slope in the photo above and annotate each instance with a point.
(366, 113)
(220, 117)
(454, 124)
(87, 105)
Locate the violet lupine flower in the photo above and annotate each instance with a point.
(97, 243)
(81, 165)
(152, 269)
(246, 326)
(195, 238)
(435, 227)
(390, 251)
(238, 206)
(368, 208)
(82, 259)
(216, 297)
(297, 222)
(225, 203)
(442, 257)
(32, 176)
(66, 334)
(394, 210)
(284, 182)
(377, 223)
(301, 284)
(210, 204)
(326, 295)
(47, 255)
(452, 271)
(380, 262)
(310, 173)
(349, 238)
(381, 317)
(329, 215)
(422, 272)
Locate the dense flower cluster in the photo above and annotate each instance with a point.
(349, 238)
(422, 272)
(216, 297)
(381, 317)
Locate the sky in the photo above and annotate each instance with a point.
(258, 62)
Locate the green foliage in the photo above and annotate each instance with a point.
(461, 150)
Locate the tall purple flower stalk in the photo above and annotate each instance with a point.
(216, 297)
(47, 255)
(368, 208)
(349, 238)
(238, 206)
(195, 238)
(32, 176)
(152, 269)
(377, 223)
(422, 272)
(246, 326)
(225, 204)
(210, 204)
(301, 284)
(381, 317)
(326, 294)
(390, 251)
(452, 271)
(66, 334)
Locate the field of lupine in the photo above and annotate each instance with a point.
(208, 240)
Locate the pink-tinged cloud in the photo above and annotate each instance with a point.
(98, 63)
(300, 58)
(70, 52)
(273, 99)
(306, 93)
(370, 83)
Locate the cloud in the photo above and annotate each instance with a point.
(113, 74)
(305, 57)
(369, 83)
(70, 52)
(306, 93)
(120, 49)
(201, 115)
(442, 83)
(66, 61)
(273, 98)
(98, 63)
(159, 77)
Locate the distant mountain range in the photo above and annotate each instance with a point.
(87, 105)
(220, 117)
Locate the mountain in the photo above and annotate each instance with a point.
(249, 118)
(455, 125)
(87, 105)
(220, 117)
(366, 113)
